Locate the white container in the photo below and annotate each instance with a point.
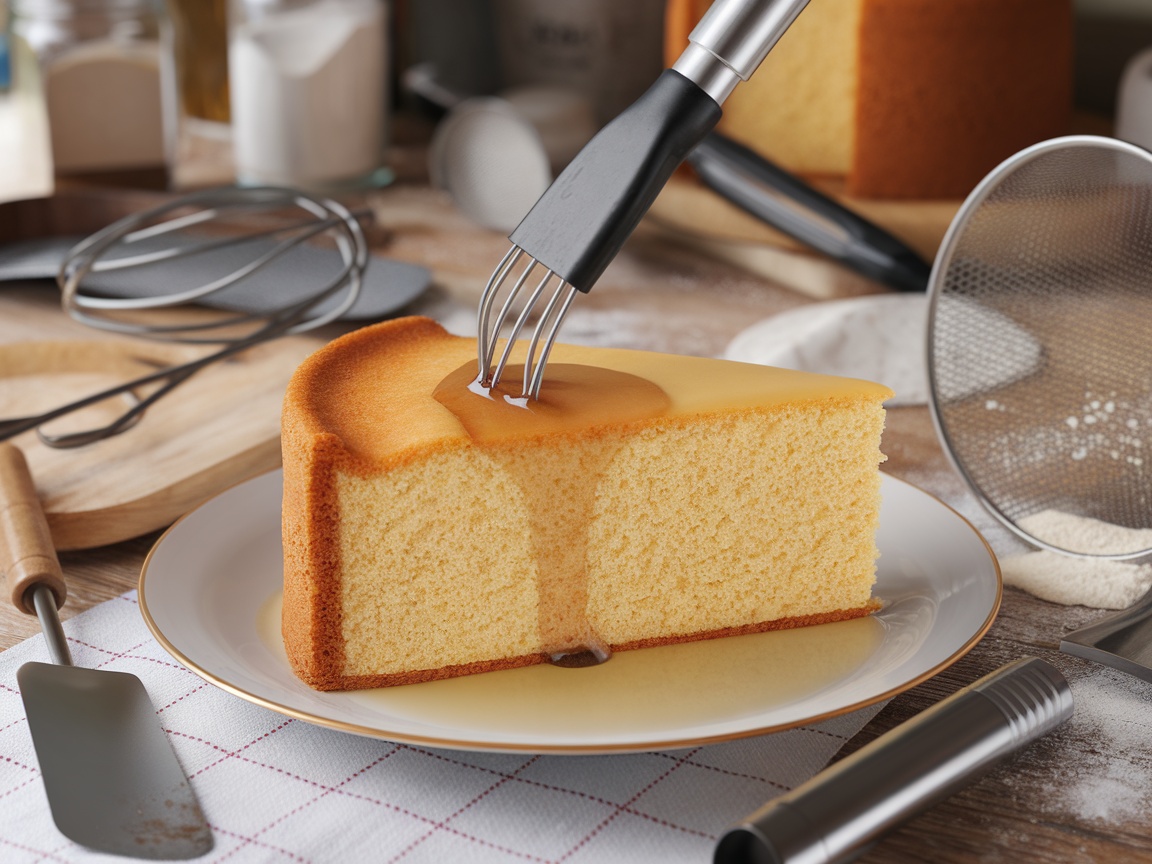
(308, 83)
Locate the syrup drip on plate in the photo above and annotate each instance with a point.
(572, 432)
(592, 654)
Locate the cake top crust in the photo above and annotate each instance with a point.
(373, 388)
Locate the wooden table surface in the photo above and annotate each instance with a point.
(662, 294)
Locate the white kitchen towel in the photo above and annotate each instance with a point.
(278, 789)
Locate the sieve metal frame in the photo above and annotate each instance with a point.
(941, 265)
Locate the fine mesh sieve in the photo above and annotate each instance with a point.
(1040, 345)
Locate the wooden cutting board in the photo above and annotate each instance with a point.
(219, 428)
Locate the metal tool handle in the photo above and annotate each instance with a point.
(731, 40)
(27, 555)
(842, 811)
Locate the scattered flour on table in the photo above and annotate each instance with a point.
(880, 338)
(1096, 582)
(1105, 758)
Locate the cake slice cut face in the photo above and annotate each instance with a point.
(433, 530)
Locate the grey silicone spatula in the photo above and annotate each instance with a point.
(112, 779)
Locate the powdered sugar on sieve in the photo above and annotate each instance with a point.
(1110, 426)
(1095, 582)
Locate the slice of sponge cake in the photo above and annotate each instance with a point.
(433, 531)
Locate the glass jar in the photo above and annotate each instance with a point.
(199, 49)
(99, 64)
(53, 27)
(308, 81)
(197, 110)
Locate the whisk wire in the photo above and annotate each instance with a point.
(86, 259)
(505, 311)
(534, 375)
(532, 388)
(544, 333)
(521, 319)
(303, 230)
(297, 317)
(485, 336)
(177, 223)
(172, 376)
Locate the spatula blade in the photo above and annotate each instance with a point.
(111, 776)
(1122, 641)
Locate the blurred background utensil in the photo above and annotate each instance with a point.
(224, 259)
(787, 203)
(112, 779)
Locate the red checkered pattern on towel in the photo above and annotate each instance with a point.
(278, 789)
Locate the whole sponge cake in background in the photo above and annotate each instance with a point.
(904, 99)
(431, 531)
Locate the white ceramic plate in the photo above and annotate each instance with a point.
(210, 587)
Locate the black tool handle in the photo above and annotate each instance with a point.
(790, 205)
(582, 220)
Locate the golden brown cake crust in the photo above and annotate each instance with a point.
(315, 404)
(939, 91)
(944, 96)
(361, 682)
(312, 614)
(760, 627)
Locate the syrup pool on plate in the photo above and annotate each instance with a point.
(639, 692)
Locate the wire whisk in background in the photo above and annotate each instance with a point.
(222, 240)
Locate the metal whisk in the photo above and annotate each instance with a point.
(562, 296)
(580, 222)
(160, 235)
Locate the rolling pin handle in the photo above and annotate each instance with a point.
(27, 555)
